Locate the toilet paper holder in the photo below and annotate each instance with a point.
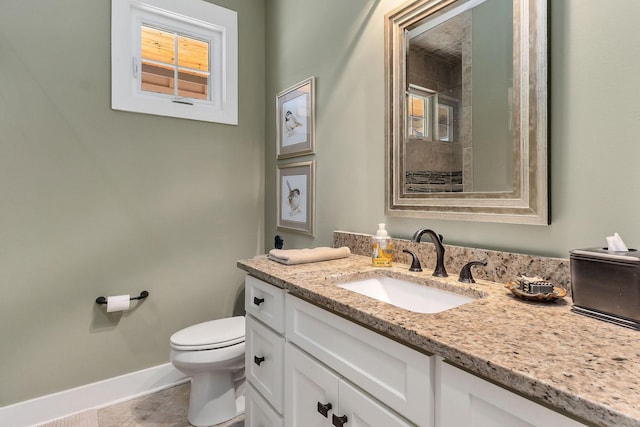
(143, 295)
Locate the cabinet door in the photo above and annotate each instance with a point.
(264, 361)
(311, 391)
(363, 411)
(389, 371)
(467, 400)
(258, 413)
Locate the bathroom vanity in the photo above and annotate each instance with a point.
(314, 348)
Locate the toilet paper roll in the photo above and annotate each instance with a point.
(118, 303)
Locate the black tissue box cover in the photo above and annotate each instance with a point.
(606, 281)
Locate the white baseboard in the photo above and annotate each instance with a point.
(95, 395)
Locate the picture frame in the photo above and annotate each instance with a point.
(296, 197)
(295, 120)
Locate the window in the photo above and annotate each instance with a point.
(445, 122)
(430, 116)
(176, 59)
(418, 113)
(174, 64)
(419, 107)
(447, 118)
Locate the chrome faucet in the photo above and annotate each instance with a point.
(440, 271)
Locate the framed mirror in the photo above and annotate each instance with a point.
(466, 110)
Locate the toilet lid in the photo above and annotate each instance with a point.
(209, 335)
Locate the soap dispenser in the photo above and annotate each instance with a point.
(382, 254)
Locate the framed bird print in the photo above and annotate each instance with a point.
(296, 204)
(295, 120)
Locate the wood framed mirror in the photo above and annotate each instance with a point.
(466, 110)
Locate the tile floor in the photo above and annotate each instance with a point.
(166, 408)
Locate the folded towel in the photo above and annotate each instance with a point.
(303, 256)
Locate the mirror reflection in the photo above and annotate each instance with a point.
(454, 64)
(466, 110)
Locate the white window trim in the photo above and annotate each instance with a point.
(196, 17)
(427, 95)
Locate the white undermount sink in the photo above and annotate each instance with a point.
(408, 295)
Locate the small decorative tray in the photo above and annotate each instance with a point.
(557, 293)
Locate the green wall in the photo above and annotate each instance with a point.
(101, 202)
(594, 124)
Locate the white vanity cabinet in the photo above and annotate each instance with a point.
(371, 379)
(316, 396)
(467, 400)
(264, 354)
(307, 367)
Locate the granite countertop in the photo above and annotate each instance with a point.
(582, 366)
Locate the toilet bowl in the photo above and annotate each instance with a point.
(212, 354)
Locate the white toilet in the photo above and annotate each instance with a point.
(212, 354)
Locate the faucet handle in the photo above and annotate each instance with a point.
(465, 273)
(415, 263)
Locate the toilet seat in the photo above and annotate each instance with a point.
(210, 335)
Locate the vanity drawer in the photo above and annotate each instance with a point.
(400, 377)
(265, 302)
(264, 361)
